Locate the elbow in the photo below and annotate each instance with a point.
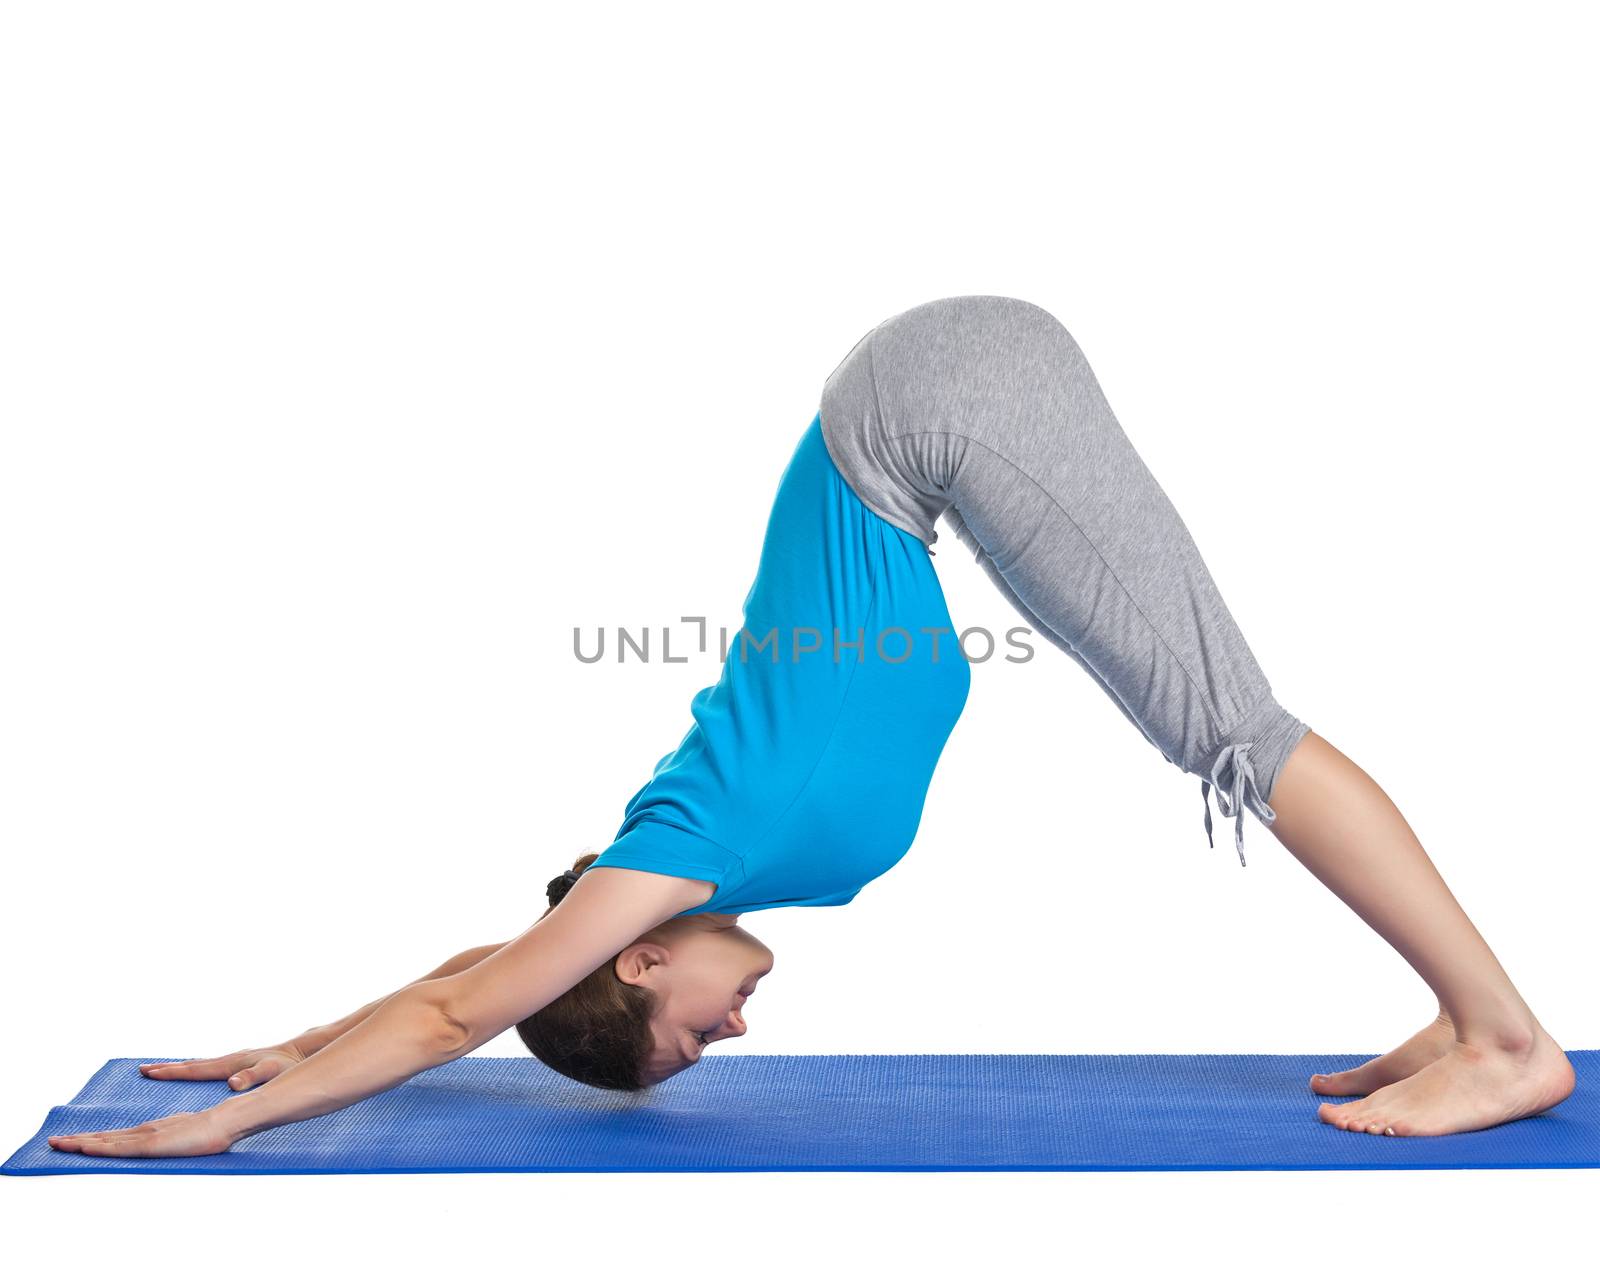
(446, 1036)
(458, 1026)
(451, 1036)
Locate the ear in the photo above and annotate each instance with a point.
(635, 963)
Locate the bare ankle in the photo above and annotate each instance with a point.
(1515, 1034)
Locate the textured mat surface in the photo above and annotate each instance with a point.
(766, 1112)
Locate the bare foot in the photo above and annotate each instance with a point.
(1468, 1087)
(1428, 1045)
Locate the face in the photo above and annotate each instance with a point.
(702, 968)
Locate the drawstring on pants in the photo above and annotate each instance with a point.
(1232, 804)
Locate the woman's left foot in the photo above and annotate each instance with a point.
(1470, 1087)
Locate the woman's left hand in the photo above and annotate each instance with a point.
(185, 1133)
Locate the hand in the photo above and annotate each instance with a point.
(241, 1070)
(187, 1133)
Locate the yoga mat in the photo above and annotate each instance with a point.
(890, 1112)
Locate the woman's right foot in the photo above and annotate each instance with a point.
(1428, 1045)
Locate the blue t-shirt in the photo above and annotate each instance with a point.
(805, 771)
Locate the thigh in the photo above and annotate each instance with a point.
(1038, 625)
(1129, 598)
(991, 403)
(991, 400)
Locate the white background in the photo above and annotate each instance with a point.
(355, 354)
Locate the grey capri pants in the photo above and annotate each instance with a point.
(983, 409)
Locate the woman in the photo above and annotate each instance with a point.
(804, 773)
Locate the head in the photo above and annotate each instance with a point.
(650, 1010)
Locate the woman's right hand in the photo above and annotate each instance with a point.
(242, 1070)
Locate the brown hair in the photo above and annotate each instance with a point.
(598, 1032)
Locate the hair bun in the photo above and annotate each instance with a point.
(558, 888)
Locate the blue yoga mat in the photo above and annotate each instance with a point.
(769, 1112)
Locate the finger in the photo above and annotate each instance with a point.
(266, 1069)
(75, 1142)
(100, 1134)
(111, 1142)
(136, 1132)
(194, 1068)
(102, 1147)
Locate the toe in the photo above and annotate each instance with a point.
(1343, 1114)
(1339, 1083)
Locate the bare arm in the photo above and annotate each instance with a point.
(605, 911)
(308, 1042)
(439, 1019)
(249, 1067)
